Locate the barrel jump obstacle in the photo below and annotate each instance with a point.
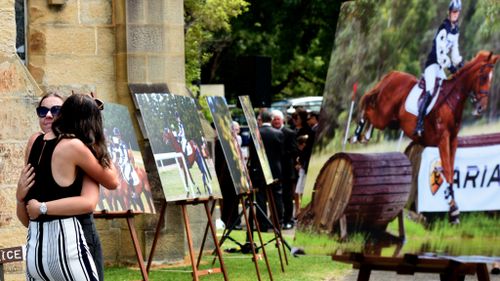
(359, 192)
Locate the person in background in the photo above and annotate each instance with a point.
(301, 182)
(55, 188)
(289, 175)
(303, 130)
(313, 120)
(445, 42)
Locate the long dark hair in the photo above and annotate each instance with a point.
(50, 94)
(80, 117)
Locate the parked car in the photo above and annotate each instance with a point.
(311, 103)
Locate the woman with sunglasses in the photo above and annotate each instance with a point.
(61, 159)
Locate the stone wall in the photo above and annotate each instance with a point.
(82, 46)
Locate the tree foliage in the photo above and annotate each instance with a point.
(296, 34)
(203, 19)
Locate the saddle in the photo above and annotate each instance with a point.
(414, 98)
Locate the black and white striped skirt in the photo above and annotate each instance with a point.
(57, 250)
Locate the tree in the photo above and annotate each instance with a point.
(297, 34)
(204, 18)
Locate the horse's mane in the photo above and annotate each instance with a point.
(481, 56)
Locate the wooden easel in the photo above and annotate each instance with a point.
(195, 265)
(242, 198)
(277, 227)
(129, 216)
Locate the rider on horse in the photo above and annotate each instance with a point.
(445, 40)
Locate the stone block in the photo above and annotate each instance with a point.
(39, 13)
(12, 160)
(145, 38)
(111, 244)
(135, 11)
(105, 41)
(96, 12)
(171, 244)
(37, 42)
(60, 70)
(155, 12)
(67, 40)
(8, 31)
(15, 79)
(6, 4)
(156, 69)
(174, 12)
(136, 70)
(174, 40)
(8, 217)
(175, 71)
(18, 113)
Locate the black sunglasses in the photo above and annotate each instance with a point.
(42, 111)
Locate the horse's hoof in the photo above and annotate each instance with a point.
(454, 214)
(352, 140)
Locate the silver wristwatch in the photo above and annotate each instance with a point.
(43, 208)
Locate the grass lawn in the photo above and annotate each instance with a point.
(312, 266)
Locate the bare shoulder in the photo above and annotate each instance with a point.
(73, 144)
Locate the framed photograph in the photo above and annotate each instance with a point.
(134, 192)
(230, 147)
(179, 146)
(248, 111)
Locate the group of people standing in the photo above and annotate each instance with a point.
(288, 147)
(58, 189)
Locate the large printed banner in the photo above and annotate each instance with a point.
(476, 180)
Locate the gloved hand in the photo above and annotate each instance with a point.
(452, 69)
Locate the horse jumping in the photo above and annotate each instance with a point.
(194, 155)
(385, 104)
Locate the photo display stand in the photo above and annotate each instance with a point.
(175, 134)
(210, 225)
(129, 217)
(235, 178)
(270, 182)
(133, 196)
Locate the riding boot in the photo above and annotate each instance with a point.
(419, 130)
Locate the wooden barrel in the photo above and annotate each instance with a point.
(369, 189)
(414, 153)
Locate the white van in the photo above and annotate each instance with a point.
(311, 103)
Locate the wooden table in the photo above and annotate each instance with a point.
(449, 268)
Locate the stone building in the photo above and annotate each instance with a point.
(102, 46)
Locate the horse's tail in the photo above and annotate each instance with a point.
(369, 98)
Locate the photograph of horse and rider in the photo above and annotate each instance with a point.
(422, 69)
(179, 146)
(134, 192)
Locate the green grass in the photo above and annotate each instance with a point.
(240, 266)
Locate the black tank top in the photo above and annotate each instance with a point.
(45, 187)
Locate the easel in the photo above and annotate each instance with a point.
(196, 272)
(243, 198)
(129, 216)
(274, 223)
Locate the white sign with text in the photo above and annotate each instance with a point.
(476, 180)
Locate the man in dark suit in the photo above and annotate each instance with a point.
(273, 140)
(289, 174)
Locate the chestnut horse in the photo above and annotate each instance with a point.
(195, 155)
(385, 104)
